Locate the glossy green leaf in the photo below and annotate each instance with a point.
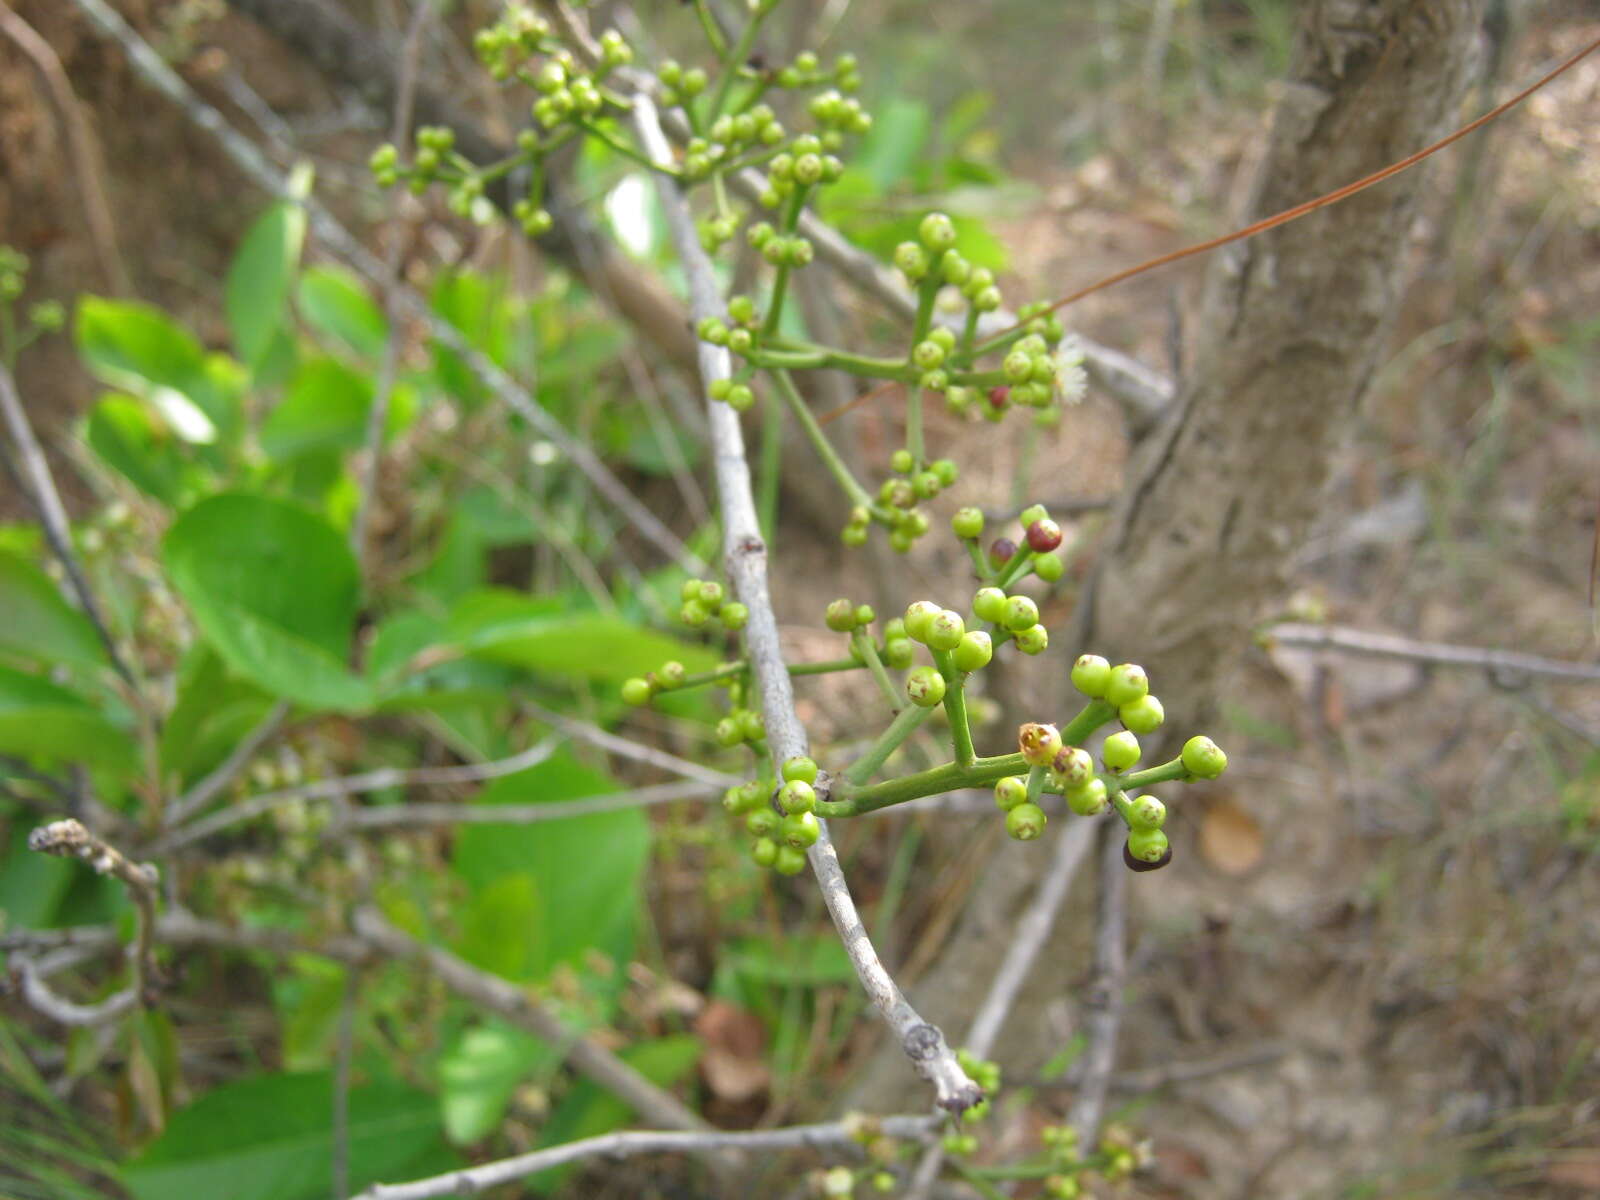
(587, 873)
(48, 724)
(38, 623)
(505, 627)
(136, 444)
(480, 1073)
(138, 349)
(271, 1138)
(504, 927)
(334, 301)
(325, 408)
(260, 276)
(274, 588)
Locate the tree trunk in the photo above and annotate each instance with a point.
(1225, 488)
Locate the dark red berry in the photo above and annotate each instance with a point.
(1136, 864)
(999, 397)
(1001, 551)
(1044, 536)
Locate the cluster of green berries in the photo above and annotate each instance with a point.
(944, 632)
(910, 482)
(806, 71)
(680, 83)
(782, 834)
(668, 677)
(934, 256)
(1017, 617)
(705, 599)
(1041, 539)
(738, 332)
(986, 1075)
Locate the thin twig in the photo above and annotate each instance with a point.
(349, 785)
(832, 1135)
(391, 815)
(516, 1005)
(343, 1054)
(1503, 664)
(624, 748)
(249, 159)
(1104, 999)
(1026, 943)
(745, 561)
(40, 488)
(81, 146)
(1153, 1079)
(389, 367)
(37, 994)
(69, 839)
(209, 788)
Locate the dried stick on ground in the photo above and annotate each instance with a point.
(745, 560)
(249, 159)
(39, 486)
(69, 839)
(1027, 941)
(1104, 1001)
(834, 1135)
(82, 149)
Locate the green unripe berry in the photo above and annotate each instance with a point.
(968, 524)
(1033, 640)
(954, 268)
(729, 731)
(1121, 751)
(865, 614)
(899, 653)
(937, 231)
(1203, 758)
(690, 589)
(734, 615)
(1127, 683)
(974, 651)
(759, 234)
(694, 81)
(1025, 822)
(946, 630)
(946, 470)
(912, 260)
(1034, 512)
(840, 616)
(1072, 767)
(741, 398)
(987, 299)
(1010, 792)
(1048, 567)
(742, 309)
(928, 354)
(1090, 674)
(1020, 613)
(753, 724)
(894, 628)
(711, 594)
(925, 687)
(901, 462)
(801, 829)
(636, 691)
(945, 337)
(797, 796)
(762, 823)
(989, 604)
(739, 341)
(853, 535)
(1148, 812)
(764, 851)
(799, 767)
(671, 674)
(1144, 715)
(694, 614)
(790, 861)
(1147, 845)
(1039, 743)
(1090, 800)
(1017, 366)
(919, 619)
(926, 485)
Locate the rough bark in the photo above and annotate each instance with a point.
(1223, 491)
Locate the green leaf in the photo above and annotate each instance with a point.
(260, 276)
(505, 627)
(140, 350)
(503, 925)
(45, 723)
(334, 301)
(38, 623)
(586, 873)
(32, 885)
(211, 714)
(274, 589)
(309, 997)
(137, 445)
(325, 408)
(270, 1138)
(589, 1111)
(480, 1073)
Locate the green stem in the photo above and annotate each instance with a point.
(1021, 562)
(1093, 715)
(1167, 772)
(627, 151)
(819, 441)
(782, 352)
(999, 342)
(719, 44)
(969, 333)
(734, 669)
(869, 654)
(739, 54)
(980, 560)
(903, 726)
(975, 1181)
(955, 706)
(780, 279)
(935, 781)
(1037, 778)
(914, 425)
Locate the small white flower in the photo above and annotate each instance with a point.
(1072, 381)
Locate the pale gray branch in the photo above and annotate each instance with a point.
(39, 997)
(834, 1135)
(623, 747)
(1504, 664)
(745, 561)
(249, 159)
(1104, 1001)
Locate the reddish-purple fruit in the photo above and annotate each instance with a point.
(1001, 551)
(1044, 535)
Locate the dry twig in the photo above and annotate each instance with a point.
(1104, 1001)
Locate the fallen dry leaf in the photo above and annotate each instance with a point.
(1230, 838)
(732, 1059)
